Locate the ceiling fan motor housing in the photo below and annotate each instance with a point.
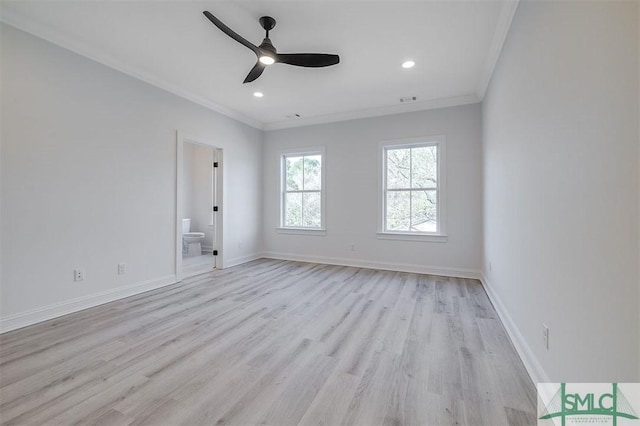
(266, 45)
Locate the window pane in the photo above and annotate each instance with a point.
(424, 167)
(423, 211)
(293, 209)
(398, 213)
(312, 170)
(311, 209)
(398, 171)
(294, 173)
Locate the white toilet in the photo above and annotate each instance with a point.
(191, 241)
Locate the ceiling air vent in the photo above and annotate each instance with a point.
(409, 99)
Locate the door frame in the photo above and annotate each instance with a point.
(218, 198)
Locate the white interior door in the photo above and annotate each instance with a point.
(203, 207)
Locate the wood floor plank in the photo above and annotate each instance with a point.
(369, 403)
(332, 401)
(299, 391)
(277, 343)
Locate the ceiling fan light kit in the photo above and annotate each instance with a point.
(267, 53)
(267, 60)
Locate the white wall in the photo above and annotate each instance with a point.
(561, 218)
(352, 169)
(89, 179)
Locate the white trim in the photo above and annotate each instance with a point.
(405, 236)
(531, 363)
(499, 36)
(302, 231)
(290, 152)
(47, 33)
(56, 310)
(441, 142)
(242, 259)
(372, 264)
(374, 112)
(302, 151)
(77, 46)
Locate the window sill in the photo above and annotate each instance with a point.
(302, 231)
(405, 236)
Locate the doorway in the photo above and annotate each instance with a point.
(198, 206)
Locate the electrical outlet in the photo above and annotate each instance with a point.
(122, 268)
(352, 247)
(545, 336)
(78, 274)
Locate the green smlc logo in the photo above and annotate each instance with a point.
(612, 405)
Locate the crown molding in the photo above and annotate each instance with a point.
(507, 12)
(374, 112)
(49, 34)
(53, 36)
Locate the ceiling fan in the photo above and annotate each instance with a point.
(267, 53)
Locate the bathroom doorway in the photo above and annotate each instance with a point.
(198, 207)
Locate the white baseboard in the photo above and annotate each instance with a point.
(531, 363)
(371, 264)
(45, 313)
(242, 259)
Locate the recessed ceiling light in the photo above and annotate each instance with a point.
(258, 94)
(408, 64)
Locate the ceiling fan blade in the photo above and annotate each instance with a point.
(255, 72)
(313, 60)
(228, 31)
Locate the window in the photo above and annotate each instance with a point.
(303, 191)
(413, 187)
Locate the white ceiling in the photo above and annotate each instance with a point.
(172, 45)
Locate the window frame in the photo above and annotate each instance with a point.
(440, 234)
(298, 152)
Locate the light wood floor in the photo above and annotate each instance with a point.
(273, 342)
